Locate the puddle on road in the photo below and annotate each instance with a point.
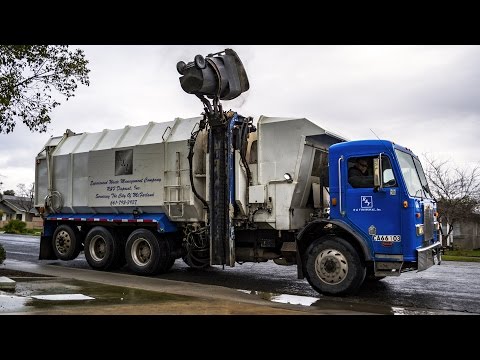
(62, 297)
(323, 303)
(282, 298)
(31, 295)
(327, 303)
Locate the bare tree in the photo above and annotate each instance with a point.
(25, 200)
(457, 190)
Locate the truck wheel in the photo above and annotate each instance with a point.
(103, 250)
(146, 254)
(333, 267)
(66, 242)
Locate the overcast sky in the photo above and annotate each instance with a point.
(425, 98)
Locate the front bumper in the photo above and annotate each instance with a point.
(429, 255)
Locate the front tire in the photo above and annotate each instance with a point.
(333, 266)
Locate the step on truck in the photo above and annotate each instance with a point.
(224, 189)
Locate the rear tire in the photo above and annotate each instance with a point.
(103, 250)
(333, 266)
(66, 242)
(146, 253)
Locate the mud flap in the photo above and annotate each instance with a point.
(46, 250)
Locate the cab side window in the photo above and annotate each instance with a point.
(360, 172)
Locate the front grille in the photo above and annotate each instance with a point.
(428, 222)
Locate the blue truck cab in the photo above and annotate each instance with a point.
(382, 219)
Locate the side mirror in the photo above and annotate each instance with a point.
(377, 179)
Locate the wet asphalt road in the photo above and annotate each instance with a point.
(450, 287)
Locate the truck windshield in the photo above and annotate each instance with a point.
(421, 174)
(413, 174)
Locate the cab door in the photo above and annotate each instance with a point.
(376, 213)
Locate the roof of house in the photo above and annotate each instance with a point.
(6, 209)
(17, 203)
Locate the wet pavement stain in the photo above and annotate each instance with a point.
(328, 304)
(103, 295)
(117, 300)
(321, 302)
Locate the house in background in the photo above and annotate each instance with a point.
(18, 208)
(6, 213)
(465, 234)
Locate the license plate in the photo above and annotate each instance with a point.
(386, 238)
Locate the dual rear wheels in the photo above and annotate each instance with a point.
(144, 251)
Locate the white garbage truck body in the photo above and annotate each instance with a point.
(116, 182)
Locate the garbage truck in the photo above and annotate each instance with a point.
(224, 189)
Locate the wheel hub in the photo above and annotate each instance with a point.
(141, 252)
(98, 248)
(331, 266)
(62, 242)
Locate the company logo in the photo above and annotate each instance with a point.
(366, 202)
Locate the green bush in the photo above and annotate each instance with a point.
(15, 227)
(3, 254)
